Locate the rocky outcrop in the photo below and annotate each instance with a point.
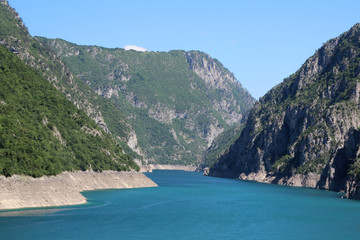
(296, 180)
(133, 142)
(64, 189)
(217, 77)
(352, 189)
(4, 2)
(219, 146)
(305, 131)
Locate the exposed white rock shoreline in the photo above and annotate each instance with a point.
(310, 180)
(63, 189)
(151, 167)
(297, 180)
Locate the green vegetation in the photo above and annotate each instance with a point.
(309, 122)
(221, 145)
(316, 165)
(170, 108)
(156, 94)
(11, 24)
(281, 164)
(41, 132)
(331, 91)
(15, 36)
(355, 168)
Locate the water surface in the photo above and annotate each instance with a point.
(187, 205)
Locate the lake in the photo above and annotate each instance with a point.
(187, 205)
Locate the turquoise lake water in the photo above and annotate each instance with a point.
(187, 205)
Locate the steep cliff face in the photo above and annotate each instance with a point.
(234, 101)
(220, 145)
(177, 102)
(305, 131)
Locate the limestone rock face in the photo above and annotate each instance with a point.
(176, 102)
(216, 77)
(305, 131)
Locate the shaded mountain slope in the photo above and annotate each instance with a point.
(305, 131)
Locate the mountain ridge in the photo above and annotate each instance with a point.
(15, 36)
(297, 133)
(161, 107)
(188, 96)
(42, 133)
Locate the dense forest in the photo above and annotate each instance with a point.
(41, 132)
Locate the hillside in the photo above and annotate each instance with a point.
(305, 131)
(42, 133)
(177, 102)
(15, 36)
(219, 146)
(162, 107)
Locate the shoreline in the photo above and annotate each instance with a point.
(21, 192)
(351, 190)
(151, 167)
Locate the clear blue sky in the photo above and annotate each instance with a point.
(261, 42)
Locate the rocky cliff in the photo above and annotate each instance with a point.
(305, 131)
(220, 145)
(177, 102)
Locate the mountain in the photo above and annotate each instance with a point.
(305, 131)
(177, 102)
(15, 36)
(42, 133)
(163, 107)
(219, 146)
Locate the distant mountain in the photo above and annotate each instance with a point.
(42, 133)
(306, 130)
(163, 107)
(177, 102)
(219, 146)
